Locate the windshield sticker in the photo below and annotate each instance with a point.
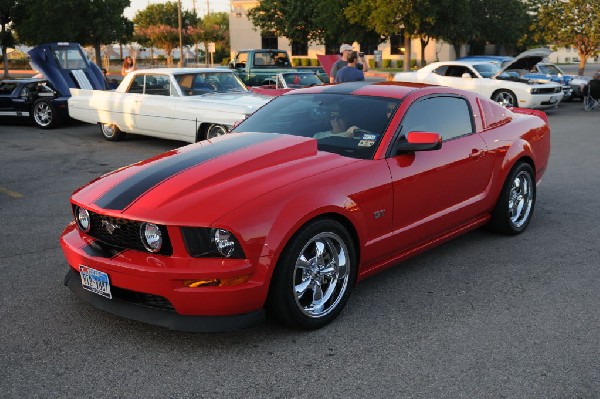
(366, 143)
(368, 136)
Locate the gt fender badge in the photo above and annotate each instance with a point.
(378, 214)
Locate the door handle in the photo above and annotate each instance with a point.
(475, 153)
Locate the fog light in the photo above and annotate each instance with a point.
(82, 216)
(151, 237)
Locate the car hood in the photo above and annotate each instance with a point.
(527, 59)
(200, 183)
(245, 101)
(86, 76)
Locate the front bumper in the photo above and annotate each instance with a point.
(163, 318)
(542, 101)
(150, 288)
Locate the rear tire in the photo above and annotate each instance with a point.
(514, 209)
(314, 276)
(111, 132)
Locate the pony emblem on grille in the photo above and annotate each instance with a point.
(109, 227)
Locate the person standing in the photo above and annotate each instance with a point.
(128, 66)
(350, 73)
(345, 50)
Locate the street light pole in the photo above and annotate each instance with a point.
(180, 34)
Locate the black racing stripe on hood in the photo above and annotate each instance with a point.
(346, 88)
(126, 192)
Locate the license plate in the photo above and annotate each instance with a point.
(95, 281)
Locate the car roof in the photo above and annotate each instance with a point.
(24, 80)
(376, 89)
(177, 71)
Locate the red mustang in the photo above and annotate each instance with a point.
(317, 190)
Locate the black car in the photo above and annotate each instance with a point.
(35, 99)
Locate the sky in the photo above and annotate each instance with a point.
(188, 5)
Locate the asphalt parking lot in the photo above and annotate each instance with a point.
(483, 316)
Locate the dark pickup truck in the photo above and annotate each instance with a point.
(260, 67)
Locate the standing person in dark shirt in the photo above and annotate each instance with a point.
(350, 72)
(345, 50)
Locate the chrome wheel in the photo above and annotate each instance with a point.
(314, 275)
(215, 131)
(520, 199)
(505, 98)
(321, 275)
(514, 208)
(111, 132)
(43, 114)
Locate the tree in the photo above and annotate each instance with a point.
(489, 14)
(387, 18)
(288, 18)
(213, 28)
(158, 25)
(571, 23)
(86, 22)
(9, 11)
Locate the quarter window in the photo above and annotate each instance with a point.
(448, 116)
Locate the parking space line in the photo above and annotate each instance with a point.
(10, 193)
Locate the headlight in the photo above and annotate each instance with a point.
(151, 237)
(535, 91)
(202, 242)
(82, 217)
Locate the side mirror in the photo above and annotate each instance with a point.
(419, 141)
(466, 75)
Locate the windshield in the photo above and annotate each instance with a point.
(487, 70)
(70, 58)
(297, 80)
(199, 83)
(347, 125)
(549, 69)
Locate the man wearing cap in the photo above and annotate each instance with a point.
(345, 49)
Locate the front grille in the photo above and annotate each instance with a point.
(548, 90)
(143, 299)
(123, 233)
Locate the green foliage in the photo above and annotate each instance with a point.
(314, 62)
(296, 61)
(570, 23)
(399, 63)
(387, 63)
(305, 61)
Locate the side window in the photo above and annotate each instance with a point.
(7, 88)
(456, 71)
(448, 116)
(441, 70)
(137, 85)
(157, 85)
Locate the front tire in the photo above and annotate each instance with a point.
(214, 131)
(314, 276)
(44, 114)
(514, 209)
(505, 97)
(111, 132)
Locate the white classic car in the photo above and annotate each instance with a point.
(502, 85)
(188, 104)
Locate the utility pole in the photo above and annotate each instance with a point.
(180, 34)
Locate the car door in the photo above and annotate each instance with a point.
(155, 109)
(435, 191)
(7, 107)
(452, 76)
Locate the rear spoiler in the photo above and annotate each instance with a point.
(528, 111)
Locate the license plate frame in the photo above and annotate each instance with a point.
(95, 281)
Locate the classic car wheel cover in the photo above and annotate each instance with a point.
(215, 131)
(108, 130)
(42, 114)
(321, 275)
(520, 199)
(505, 98)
